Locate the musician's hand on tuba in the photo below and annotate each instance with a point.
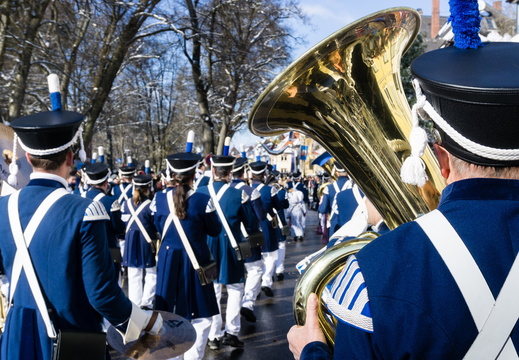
(299, 336)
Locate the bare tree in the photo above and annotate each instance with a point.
(232, 46)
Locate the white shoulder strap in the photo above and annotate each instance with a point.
(23, 258)
(99, 196)
(485, 311)
(181, 231)
(124, 192)
(223, 220)
(169, 219)
(135, 218)
(240, 185)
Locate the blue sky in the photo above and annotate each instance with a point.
(328, 16)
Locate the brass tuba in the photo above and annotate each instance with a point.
(346, 93)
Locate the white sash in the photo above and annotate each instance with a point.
(135, 218)
(180, 230)
(225, 223)
(494, 319)
(124, 192)
(171, 206)
(23, 258)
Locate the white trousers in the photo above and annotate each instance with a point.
(202, 327)
(269, 266)
(232, 314)
(252, 283)
(280, 262)
(141, 285)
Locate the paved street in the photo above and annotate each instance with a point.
(266, 339)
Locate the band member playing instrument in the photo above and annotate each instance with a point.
(443, 286)
(55, 251)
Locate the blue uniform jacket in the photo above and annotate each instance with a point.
(237, 209)
(178, 287)
(71, 258)
(122, 191)
(283, 202)
(115, 227)
(270, 202)
(346, 205)
(260, 213)
(417, 309)
(138, 253)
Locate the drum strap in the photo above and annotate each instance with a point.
(23, 258)
(494, 319)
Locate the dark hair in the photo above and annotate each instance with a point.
(239, 173)
(180, 194)
(222, 171)
(51, 162)
(258, 176)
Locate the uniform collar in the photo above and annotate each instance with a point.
(481, 189)
(39, 178)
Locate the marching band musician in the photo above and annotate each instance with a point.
(282, 237)
(123, 191)
(254, 263)
(271, 204)
(140, 243)
(96, 176)
(443, 286)
(54, 248)
(178, 285)
(234, 209)
(340, 208)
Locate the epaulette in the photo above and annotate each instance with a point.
(348, 299)
(326, 190)
(255, 195)
(273, 191)
(244, 197)
(210, 206)
(95, 211)
(115, 206)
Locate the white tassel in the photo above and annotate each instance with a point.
(82, 152)
(413, 168)
(12, 178)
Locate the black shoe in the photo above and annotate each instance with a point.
(267, 291)
(214, 344)
(295, 239)
(280, 276)
(231, 340)
(300, 238)
(248, 314)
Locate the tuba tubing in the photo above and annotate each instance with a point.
(346, 93)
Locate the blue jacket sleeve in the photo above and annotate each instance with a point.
(316, 351)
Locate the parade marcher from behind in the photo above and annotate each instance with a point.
(283, 227)
(140, 243)
(271, 204)
(178, 284)
(96, 176)
(296, 212)
(461, 311)
(235, 209)
(339, 214)
(254, 263)
(55, 251)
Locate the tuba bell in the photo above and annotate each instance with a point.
(346, 93)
